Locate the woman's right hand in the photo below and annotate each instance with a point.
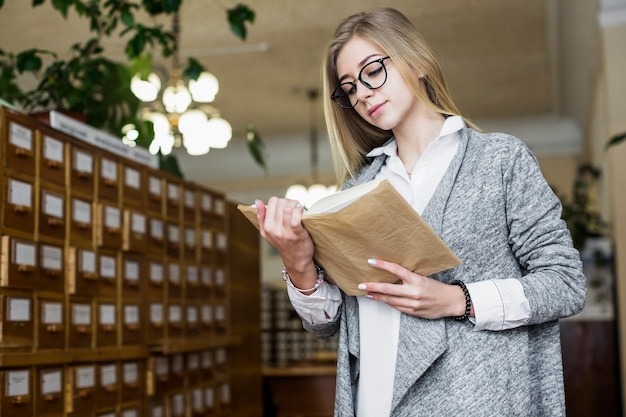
(280, 223)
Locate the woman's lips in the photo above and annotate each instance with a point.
(375, 110)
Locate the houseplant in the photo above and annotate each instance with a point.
(90, 83)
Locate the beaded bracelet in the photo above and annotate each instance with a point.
(319, 281)
(468, 300)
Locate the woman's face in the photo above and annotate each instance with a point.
(385, 107)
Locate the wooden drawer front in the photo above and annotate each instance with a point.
(206, 281)
(160, 373)
(51, 268)
(109, 226)
(156, 195)
(220, 317)
(82, 171)
(206, 208)
(17, 396)
(196, 401)
(219, 211)
(173, 200)
(209, 397)
(155, 331)
(190, 242)
(221, 361)
(224, 392)
(156, 280)
(108, 384)
(133, 380)
(51, 328)
(207, 253)
(17, 320)
(134, 186)
(220, 281)
(108, 276)
(130, 411)
(81, 221)
(131, 324)
(53, 163)
(192, 319)
(194, 371)
(174, 239)
(83, 381)
(206, 319)
(19, 263)
(175, 320)
(156, 407)
(221, 246)
(132, 275)
(178, 371)
(52, 212)
(19, 210)
(174, 280)
(49, 391)
(82, 269)
(207, 365)
(20, 148)
(177, 404)
(81, 322)
(190, 204)
(192, 281)
(156, 236)
(107, 323)
(135, 236)
(108, 180)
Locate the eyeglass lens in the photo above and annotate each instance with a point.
(373, 75)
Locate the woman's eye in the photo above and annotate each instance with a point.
(374, 72)
(348, 88)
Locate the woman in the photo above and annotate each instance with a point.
(481, 339)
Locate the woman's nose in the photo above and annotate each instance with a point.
(362, 92)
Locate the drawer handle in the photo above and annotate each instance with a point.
(22, 153)
(82, 226)
(50, 398)
(108, 328)
(20, 400)
(90, 276)
(109, 182)
(24, 269)
(82, 330)
(21, 209)
(53, 164)
(53, 328)
(52, 272)
(54, 222)
(112, 230)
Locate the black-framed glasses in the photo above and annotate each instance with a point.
(373, 75)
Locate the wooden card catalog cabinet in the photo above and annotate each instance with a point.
(207, 253)
(82, 382)
(53, 161)
(108, 274)
(51, 328)
(155, 195)
(17, 329)
(206, 208)
(49, 392)
(177, 404)
(81, 324)
(134, 186)
(51, 268)
(173, 200)
(108, 383)
(133, 374)
(190, 205)
(82, 171)
(107, 323)
(156, 236)
(20, 148)
(192, 282)
(194, 371)
(191, 243)
(52, 212)
(175, 320)
(135, 238)
(192, 319)
(19, 213)
(131, 324)
(108, 226)
(197, 402)
(81, 221)
(132, 272)
(174, 280)
(206, 319)
(173, 239)
(108, 180)
(82, 266)
(156, 280)
(17, 392)
(19, 263)
(156, 322)
(160, 373)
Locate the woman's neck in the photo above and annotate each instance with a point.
(414, 136)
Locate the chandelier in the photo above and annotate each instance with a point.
(180, 112)
(300, 192)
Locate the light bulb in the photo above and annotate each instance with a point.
(205, 88)
(176, 98)
(146, 90)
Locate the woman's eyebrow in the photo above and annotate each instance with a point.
(363, 61)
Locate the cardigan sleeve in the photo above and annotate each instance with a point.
(553, 280)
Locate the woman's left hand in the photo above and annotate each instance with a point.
(416, 294)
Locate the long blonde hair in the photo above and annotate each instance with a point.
(351, 137)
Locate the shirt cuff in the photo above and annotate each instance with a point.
(499, 304)
(318, 308)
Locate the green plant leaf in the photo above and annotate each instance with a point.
(37, 2)
(169, 163)
(2, 3)
(142, 65)
(62, 6)
(237, 18)
(127, 18)
(256, 146)
(193, 69)
(28, 61)
(619, 138)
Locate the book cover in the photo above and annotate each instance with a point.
(371, 220)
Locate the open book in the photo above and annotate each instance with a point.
(371, 220)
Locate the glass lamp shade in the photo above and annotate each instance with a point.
(146, 90)
(308, 196)
(192, 121)
(196, 143)
(219, 132)
(205, 88)
(176, 98)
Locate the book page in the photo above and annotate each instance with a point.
(335, 202)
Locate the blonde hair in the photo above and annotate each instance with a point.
(351, 137)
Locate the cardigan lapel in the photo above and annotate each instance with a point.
(422, 341)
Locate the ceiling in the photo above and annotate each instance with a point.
(498, 57)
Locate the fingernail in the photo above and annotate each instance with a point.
(371, 261)
(362, 286)
(256, 204)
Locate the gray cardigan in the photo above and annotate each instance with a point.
(495, 210)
